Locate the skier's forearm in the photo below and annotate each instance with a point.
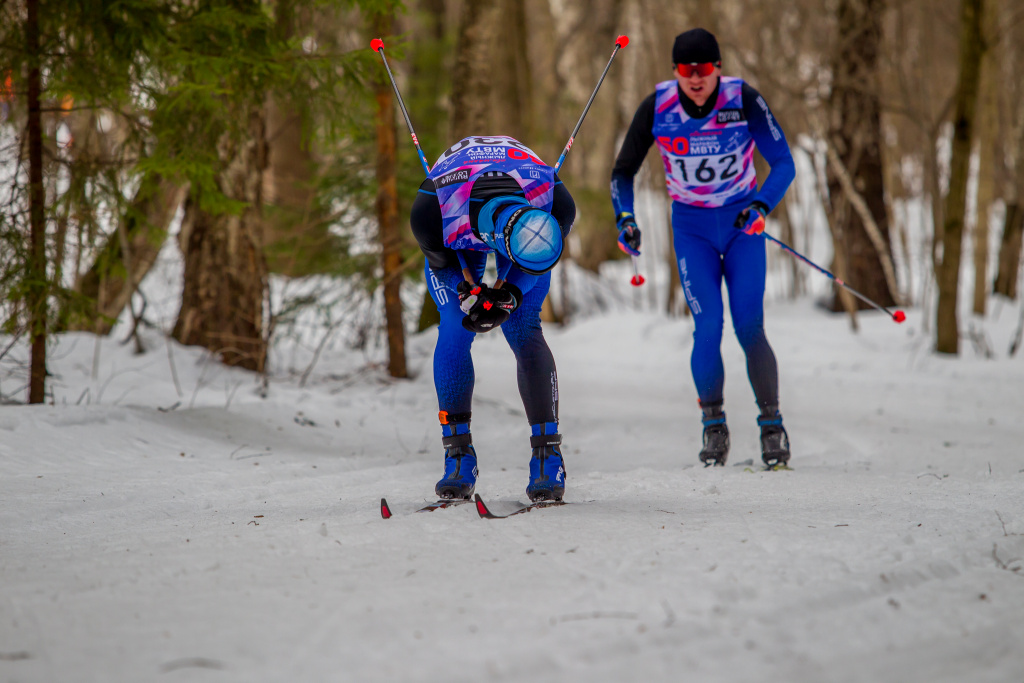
(523, 281)
(632, 153)
(778, 181)
(771, 142)
(622, 193)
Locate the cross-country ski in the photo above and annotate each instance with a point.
(517, 508)
(387, 513)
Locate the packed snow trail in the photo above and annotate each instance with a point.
(239, 538)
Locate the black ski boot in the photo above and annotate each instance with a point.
(716, 435)
(774, 439)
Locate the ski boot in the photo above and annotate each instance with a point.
(460, 470)
(716, 435)
(774, 439)
(547, 469)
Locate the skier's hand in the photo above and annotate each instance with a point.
(468, 295)
(490, 308)
(751, 219)
(629, 234)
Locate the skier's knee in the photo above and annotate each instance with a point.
(520, 336)
(750, 335)
(454, 336)
(708, 335)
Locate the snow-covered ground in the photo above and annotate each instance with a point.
(159, 525)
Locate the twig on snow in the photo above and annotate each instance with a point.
(1005, 532)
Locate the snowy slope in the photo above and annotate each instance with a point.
(238, 538)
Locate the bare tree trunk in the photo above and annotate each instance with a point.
(1010, 251)
(471, 81)
(845, 298)
(511, 95)
(293, 230)
(118, 271)
(585, 32)
(37, 285)
(871, 228)
(855, 132)
(966, 100)
(931, 172)
(387, 215)
(987, 131)
(926, 82)
(839, 261)
(477, 45)
(225, 271)
(1013, 226)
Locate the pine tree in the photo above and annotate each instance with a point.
(59, 55)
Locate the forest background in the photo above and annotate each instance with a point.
(263, 139)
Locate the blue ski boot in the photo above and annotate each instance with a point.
(774, 439)
(460, 469)
(547, 469)
(716, 435)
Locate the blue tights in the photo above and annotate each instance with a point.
(709, 249)
(453, 363)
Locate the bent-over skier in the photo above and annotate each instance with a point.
(493, 194)
(706, 127)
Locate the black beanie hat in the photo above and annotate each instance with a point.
(695, 47)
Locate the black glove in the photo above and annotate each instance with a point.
(629, 234)
(487, 308)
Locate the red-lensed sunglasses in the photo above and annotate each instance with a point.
(703, 69)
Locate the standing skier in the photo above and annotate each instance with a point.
(489, 194)
(706, 127)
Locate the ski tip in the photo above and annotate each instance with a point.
(622, 41)
(899, 316)
(385, 511)
(376, 44)
(481, 506)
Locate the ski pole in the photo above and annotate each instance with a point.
(378, 46)
(620, 42)
(637, 278)
(897, 316)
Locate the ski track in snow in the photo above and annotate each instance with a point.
(239, 538)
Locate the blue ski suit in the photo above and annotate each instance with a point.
(443, 220)
(707, 153)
